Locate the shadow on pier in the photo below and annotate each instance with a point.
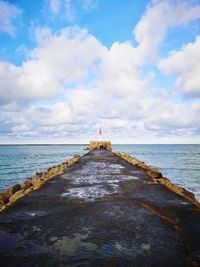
(102, 211)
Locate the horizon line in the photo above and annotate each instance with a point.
(79, 144)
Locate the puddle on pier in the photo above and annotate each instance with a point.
(70, 246)
(79, 244)
(91, 192)
(96, 180)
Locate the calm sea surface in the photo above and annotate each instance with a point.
(180, 163)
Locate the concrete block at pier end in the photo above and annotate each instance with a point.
(96, 145)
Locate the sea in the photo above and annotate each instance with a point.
(179, 163)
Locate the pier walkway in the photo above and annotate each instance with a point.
(102, 211)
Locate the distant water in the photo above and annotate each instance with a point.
(180, 163)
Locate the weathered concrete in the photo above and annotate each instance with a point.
(96, 145)
(102, 211)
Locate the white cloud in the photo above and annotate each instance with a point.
(8, 15)
(69, 10)
(116, 96)
(65, 9)
(91, 85)
(158, 119)
(57, 61)
(160, 16)
(170, 118)
(185, 64)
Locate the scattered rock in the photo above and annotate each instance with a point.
(158, 178)
(39, 174)
(37, 182)
(154, 174)
(28, 190)
(26, 184)
(187, 193)
(16, 196)
(76, 156)
(5, 199)
(16, 188)
(9, 192)
(15, 192)
(1, 201)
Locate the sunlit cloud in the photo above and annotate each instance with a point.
(71, 83)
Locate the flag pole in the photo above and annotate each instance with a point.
(100, 134)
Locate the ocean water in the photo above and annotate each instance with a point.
(180, 163)
(20, 162)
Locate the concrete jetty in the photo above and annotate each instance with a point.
(101, 211)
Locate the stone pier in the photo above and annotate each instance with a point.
(101, 211)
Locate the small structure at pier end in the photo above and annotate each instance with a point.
(96, 145)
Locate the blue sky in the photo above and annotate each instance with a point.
(68, 67)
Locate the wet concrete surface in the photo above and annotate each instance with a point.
(101, 211)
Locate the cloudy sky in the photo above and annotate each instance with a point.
(68, 67)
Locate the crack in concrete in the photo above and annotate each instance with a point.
(191, 261)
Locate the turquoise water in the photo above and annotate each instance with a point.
(180, 163)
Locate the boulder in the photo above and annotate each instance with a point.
(11, 190)
(154, 174)
(16, 196)
(40, 174)
(27, 184)
(76, 156)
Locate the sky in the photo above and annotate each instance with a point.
(68, 67)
